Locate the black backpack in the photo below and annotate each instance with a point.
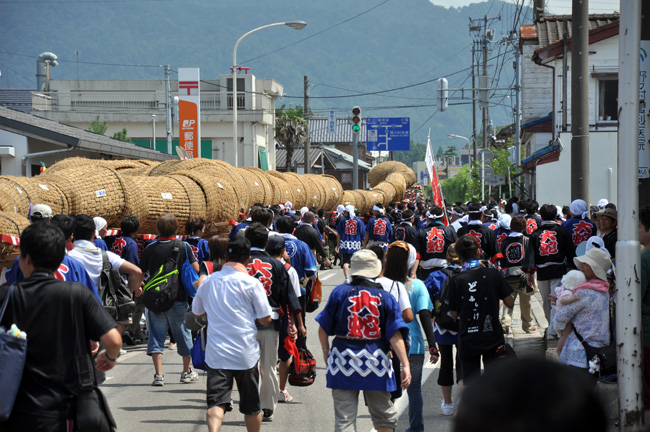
(160, 292)
(442, 307)
(115, 292)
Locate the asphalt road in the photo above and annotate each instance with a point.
(139, 407)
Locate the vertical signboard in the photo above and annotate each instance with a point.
(189, 111)
(644, 111)
(332, 122)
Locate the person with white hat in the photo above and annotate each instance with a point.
(365, 321)
(590, 313)
(379, 231)
(351, 233)
(101, 228)
(40, 212)
(579, 225)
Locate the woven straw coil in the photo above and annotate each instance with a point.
(223, 170)
(349, 199)
(17, 193)
(333, 192)
(298, 188)
(95, 191)
(152, 197)
(12, 223)
(253, 184)
(379, 172)
(286, 193)
(315, 191)
(171, 166)
(269, 197)
(213, 198)
(194, 195)
(69, 163)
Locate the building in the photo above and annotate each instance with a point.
(546, 115)
(132, 105)
(28, 142)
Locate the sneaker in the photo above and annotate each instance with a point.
(188, 377)
(287, 396)
(529, 330)
(171, 346)
(268, 415)
(122, 351)
(348, 280)
(158, 380)
(447, 409)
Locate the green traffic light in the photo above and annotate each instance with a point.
(356, 128)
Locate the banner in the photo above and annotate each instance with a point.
(189, 111)
(438, 199)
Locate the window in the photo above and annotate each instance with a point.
(346, 177)
(607, 100)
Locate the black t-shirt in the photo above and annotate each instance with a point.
(610, 242)
(156, 254)
(475, 295)
(309, 235)
(484, 235)
(407, 233)
(51, 311)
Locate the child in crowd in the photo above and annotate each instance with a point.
(565, 294)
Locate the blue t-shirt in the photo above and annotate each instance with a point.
(580, 229)
(420, 300)
(69, 270)
(126, 248)
(379, 229)
(352, 232)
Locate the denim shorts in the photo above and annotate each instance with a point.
(174, 318)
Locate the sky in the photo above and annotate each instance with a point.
(560, 7)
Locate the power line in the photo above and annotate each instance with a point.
(84, 62)
(23, 2)
(317, 33)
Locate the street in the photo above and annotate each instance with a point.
(139, 407)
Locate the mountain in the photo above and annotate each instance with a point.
(347, 48)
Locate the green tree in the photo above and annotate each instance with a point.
(291, 132)
(293, 113)
(440, 153)
(98, 127)
(451, 151)
(417, 154)
(122, 135)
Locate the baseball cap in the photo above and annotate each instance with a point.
(365, 263)
(41, 211)
(276, 242)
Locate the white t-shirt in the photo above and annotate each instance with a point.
(398, 290)
(295, 282)
(233, 301)
(91, 257)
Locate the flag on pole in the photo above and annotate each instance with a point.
(438, 199)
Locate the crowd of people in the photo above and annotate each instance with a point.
(412, 272)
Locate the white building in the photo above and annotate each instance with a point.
(131, 104)
(546, 107)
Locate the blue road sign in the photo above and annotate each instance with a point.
(388, 133)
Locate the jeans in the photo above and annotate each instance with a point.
(174, 319)
(547, 287)
(416, 421)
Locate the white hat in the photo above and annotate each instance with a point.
(602, 203)
(597, 260)
(288, 205)
(504, 221)
(340, 209)
(100, 222)
(350, 209)
(41, 211)
(365, 263)
(413, 255)
(596, 242)
(303, 211)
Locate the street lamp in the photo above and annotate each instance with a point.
(296, 25)
(153, 124)
(470, 158)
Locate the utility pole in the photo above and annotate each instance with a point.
(644, 141)
(518, 117)
(355, 161)
(628, 260)
(474, 93)
(305, 112)
(580, 101)
(486, 114)
(168, 108)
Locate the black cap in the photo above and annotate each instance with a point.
(276, 242)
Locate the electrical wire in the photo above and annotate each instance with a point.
(85, 62)
(317, 33)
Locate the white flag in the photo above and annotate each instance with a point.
(428, 159)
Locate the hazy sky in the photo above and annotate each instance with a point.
(554, 6)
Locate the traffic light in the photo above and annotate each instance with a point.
(356, 119)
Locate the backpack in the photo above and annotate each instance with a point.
(441, 310)
(188, 275)
(114, 292)
(160, 292)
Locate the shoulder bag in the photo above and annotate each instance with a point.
(606, 355)
(13, 353)
(92, 411)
